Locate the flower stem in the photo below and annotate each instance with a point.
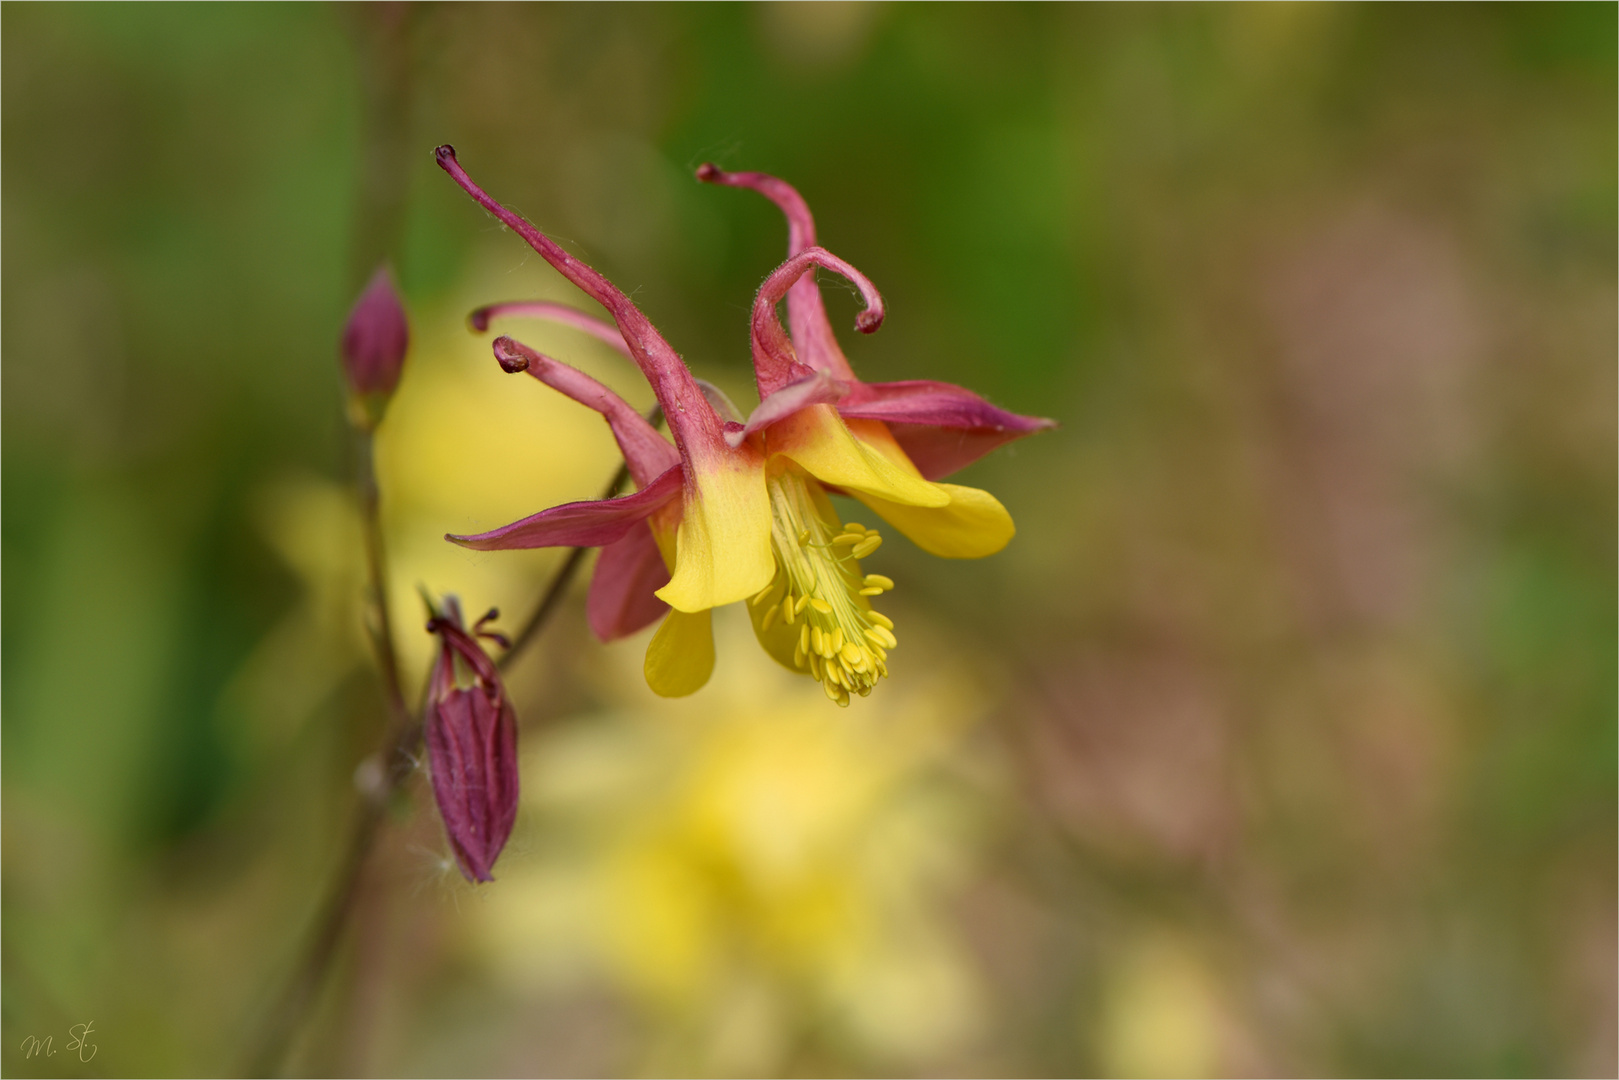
(376, 566)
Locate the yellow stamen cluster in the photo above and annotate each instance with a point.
(819, 588)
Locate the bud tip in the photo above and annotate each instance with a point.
(376, 337)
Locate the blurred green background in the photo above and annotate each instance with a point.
(1280, 741)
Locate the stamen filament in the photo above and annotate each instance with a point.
(841, 641)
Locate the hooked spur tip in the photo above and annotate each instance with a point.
(444, 153)
(478, 321)
(868, 321)
(510, 357)
(710, 173)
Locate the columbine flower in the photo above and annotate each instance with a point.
(471, 735)
(375, 340)
(735, 510)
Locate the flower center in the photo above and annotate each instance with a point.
(818, 607)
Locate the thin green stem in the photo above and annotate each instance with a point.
(376, 566)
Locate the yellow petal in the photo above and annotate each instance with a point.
(680, 658)
(821, 444)
(722, 547)
(975, 523)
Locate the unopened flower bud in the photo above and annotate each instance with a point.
(471, 733)
(375, 340)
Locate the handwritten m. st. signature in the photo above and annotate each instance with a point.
(78, 1041)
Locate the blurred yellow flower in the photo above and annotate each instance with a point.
(746, 862)
(1163, 1014)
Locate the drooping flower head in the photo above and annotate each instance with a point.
(471, 733)
(739, 510)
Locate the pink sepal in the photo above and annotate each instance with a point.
(940, 426)
(629, 571)
(593, 523)
(940, 404)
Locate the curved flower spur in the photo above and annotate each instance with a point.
(739, 511)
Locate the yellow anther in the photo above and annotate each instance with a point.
(885, 637)
(834, 634)
(871, 543)
(764, 592)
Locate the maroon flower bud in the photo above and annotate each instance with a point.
(374, 343)
(471, 732)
